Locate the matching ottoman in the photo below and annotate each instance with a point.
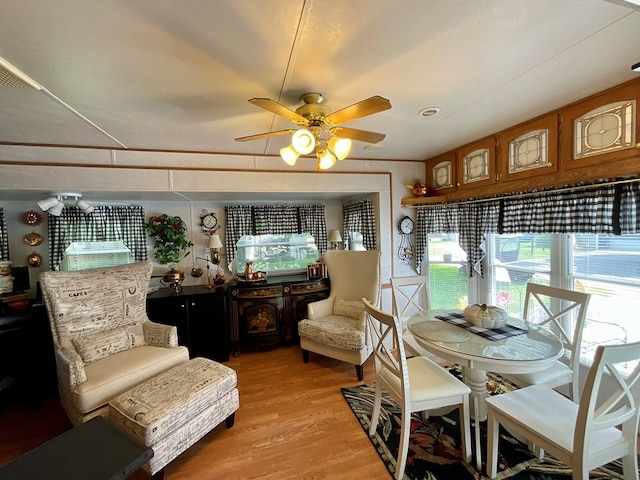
(172, 411)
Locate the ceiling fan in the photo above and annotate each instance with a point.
(320, 129)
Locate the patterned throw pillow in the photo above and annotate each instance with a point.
(93, 347)
(348, 308)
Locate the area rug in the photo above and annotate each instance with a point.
(434, 444)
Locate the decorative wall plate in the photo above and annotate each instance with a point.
(33, 239)
(34, 260)
(32, 218)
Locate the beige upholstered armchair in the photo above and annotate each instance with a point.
(336, 326)
(103, 340)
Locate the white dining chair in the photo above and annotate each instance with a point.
(603, 427)
(563, 312)
(410, 296)
(416, 384)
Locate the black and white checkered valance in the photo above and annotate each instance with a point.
(4, 237)
(603, 207)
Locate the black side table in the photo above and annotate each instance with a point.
(95, 450)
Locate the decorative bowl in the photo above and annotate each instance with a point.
(485, 316)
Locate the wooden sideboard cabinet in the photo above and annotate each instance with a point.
(268, 313)
(200, 314)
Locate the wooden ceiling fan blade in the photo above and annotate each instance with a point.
(258, 136)
(361, 109)
(360, 135)
(276, 108)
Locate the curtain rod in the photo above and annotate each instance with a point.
(529, 194)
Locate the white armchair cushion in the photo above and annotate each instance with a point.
(115, 374)
(348, 308)
(335, 331)
(98, 345)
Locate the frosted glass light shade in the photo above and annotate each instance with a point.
(56, 210)
(340, 147)
(325, 159)
(289, 155)
(48, 203)
(303, 141)
(84, 206)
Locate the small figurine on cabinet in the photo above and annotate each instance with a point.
(419, 189)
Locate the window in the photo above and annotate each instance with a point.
(83, 255)
(606, 266)
(288, 253)
(448, 279)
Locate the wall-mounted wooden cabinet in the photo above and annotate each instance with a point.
(441, 174)
(603, 128)
(530, 149)
(476, 164)
(598, 137)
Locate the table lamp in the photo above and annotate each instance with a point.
(334, 238)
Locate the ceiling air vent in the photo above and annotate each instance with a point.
(10, 76)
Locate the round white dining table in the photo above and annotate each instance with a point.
(529, 352)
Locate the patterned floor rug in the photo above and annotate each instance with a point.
(434, 445)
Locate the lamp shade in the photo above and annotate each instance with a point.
(84, 206)
(56, 210)
(214, 241)
(340, 147)
(303, 141)
(325, 159)
(334, 236)
(289, 155)
(47, 203)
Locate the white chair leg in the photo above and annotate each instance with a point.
(493, 428)
(403, 448)
(377, 400)
(477, 434)
(630, 466)
(465, 429)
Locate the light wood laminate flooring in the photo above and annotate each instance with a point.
(293, 423)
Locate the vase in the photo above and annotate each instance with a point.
(174, 278)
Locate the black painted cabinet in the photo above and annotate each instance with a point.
(200, 315)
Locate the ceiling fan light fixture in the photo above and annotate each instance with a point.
(340, 147)
(289, 155)
(326, 159)
(303, 141)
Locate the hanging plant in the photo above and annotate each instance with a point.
(169, 235)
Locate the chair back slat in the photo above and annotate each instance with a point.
(563, 312)
(410, 296)
(389, 349)
(599, 408)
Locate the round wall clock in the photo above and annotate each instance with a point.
(406, 226)
(209, 222)
(32, 218)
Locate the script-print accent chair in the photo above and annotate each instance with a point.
(103, 340)
(410, 296)
(335, 326)
(603, 427)
(563, 312)
(416, 384)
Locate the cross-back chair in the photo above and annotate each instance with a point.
(410, 296)
(416, 384)
(563, 312)
(603, 427)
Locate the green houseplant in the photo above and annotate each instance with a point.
(169, 235)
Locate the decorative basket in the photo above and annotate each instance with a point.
(485, 316)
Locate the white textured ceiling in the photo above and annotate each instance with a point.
(176, 75)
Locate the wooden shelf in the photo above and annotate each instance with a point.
(415, 201)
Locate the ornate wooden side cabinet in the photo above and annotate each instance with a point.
(267, 313)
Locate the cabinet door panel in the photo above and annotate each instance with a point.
(208, 328)
(171, 311)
